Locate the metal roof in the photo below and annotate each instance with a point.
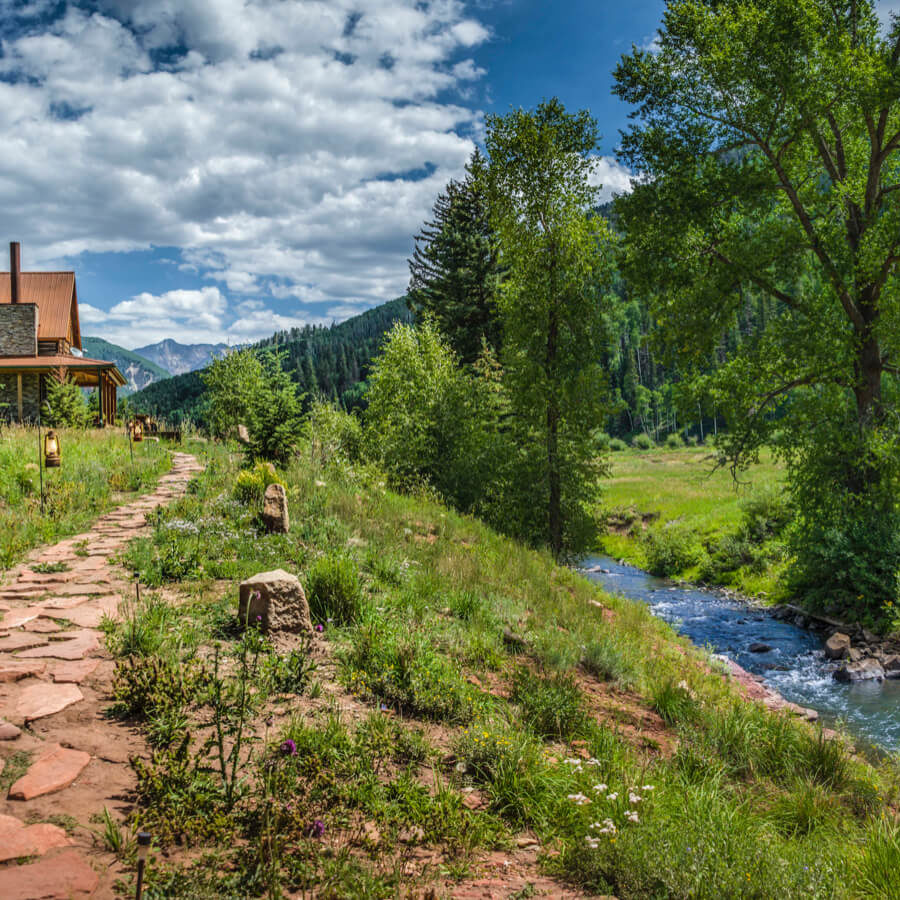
(54, 294)
(67, 362)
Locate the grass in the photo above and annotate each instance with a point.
(458, 663)
(672, 512)
(96, 470)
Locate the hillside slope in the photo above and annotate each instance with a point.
(139, 370)
(178, 358)
(329, 361)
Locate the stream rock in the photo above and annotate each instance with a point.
(864, 670)
(891, 666)
(759, 647)
(837, 646)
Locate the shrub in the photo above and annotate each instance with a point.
(876, 871)
(334, 435)
(65, 404)
(642, 441)
(610, 660)
(674, 441)
(617, 445)
(601, 441)
(671, 549)
(333, 590)
(552, 705)
(250, 484)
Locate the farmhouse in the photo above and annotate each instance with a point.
(40, 338)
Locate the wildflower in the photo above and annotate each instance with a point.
(593, 843)
(320, 627)
(579, 799)
(317, 829)
(259, 618)
(633, 798)
(592, 762)
(647, 787)
(599, 788)
(612, 797)
(288, 748)
(632, 816)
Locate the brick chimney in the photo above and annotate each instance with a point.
(14, 271)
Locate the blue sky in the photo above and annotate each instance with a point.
(216, 170)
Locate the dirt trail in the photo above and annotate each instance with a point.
(55, 679)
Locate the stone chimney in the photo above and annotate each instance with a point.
(14, 271)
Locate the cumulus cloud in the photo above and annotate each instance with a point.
(289, 149)
(611, 177)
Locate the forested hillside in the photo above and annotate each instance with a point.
(323, 361)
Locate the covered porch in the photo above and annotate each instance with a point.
(23, 383)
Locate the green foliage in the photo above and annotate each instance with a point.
(555, 251)
(767, 184)
(333, 590)
(455, 271)
(233, 383)
(670, 549)
(250, 484)
(642, 441)
(552, 705)
(878, 870)
(274, 414)
(674, 441)
(65, 406)
(617, 445)
(333, 435)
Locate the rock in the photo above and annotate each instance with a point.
(864, 670)
(243, 435)
(275, 510)
(79, 645)
(869, 637)
(63, 876)
(854, 654)
(276, 601)
(14, 671)
(18, 839)
(891, 666)
(8, 731)
(57, 767)
(42, 699)
(759, 647)
(514, 641)
(73, 672)
(837, 646)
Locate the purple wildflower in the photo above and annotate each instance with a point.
(320, 627)
(288, 748)
(317, 829)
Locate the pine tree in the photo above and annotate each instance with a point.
(454, 271)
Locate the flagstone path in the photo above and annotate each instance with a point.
(54, 685)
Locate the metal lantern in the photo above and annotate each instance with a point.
(137, 431)
(52, 452)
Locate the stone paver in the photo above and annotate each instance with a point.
(18, 839)
(44, 699)
(49, 616)
(63, 876)
(73, 672)
(56, 768)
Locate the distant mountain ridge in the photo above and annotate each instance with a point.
(139, 371)
(177, 358)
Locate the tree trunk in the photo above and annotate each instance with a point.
(555, 502)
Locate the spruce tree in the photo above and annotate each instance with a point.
(454, 271)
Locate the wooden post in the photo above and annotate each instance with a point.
(19, 396)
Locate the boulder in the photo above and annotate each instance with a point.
(276, 601)
(759, 647)
(891, 666)
(243, 435)
(837, 646)
(864, 670)
(854, 654)
(275, 510)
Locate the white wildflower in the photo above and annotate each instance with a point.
(579, 799)
(593, 843)
(633, 798)
(600, 788)
(612, 797)
(592, 762)
(632, 816)
(647, 787)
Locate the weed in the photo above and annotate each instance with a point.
(552, 705)
(334, 590)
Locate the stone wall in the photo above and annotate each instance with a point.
(18, 329)
(31, 396)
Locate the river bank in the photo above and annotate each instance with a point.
(784, 648)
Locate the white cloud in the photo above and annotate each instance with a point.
(611, 176)
(280, 153)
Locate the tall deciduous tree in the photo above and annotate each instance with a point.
(541, 199)
(454, 271)
(768, 141)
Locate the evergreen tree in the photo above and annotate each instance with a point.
(454, 271)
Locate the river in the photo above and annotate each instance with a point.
(795, 666)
